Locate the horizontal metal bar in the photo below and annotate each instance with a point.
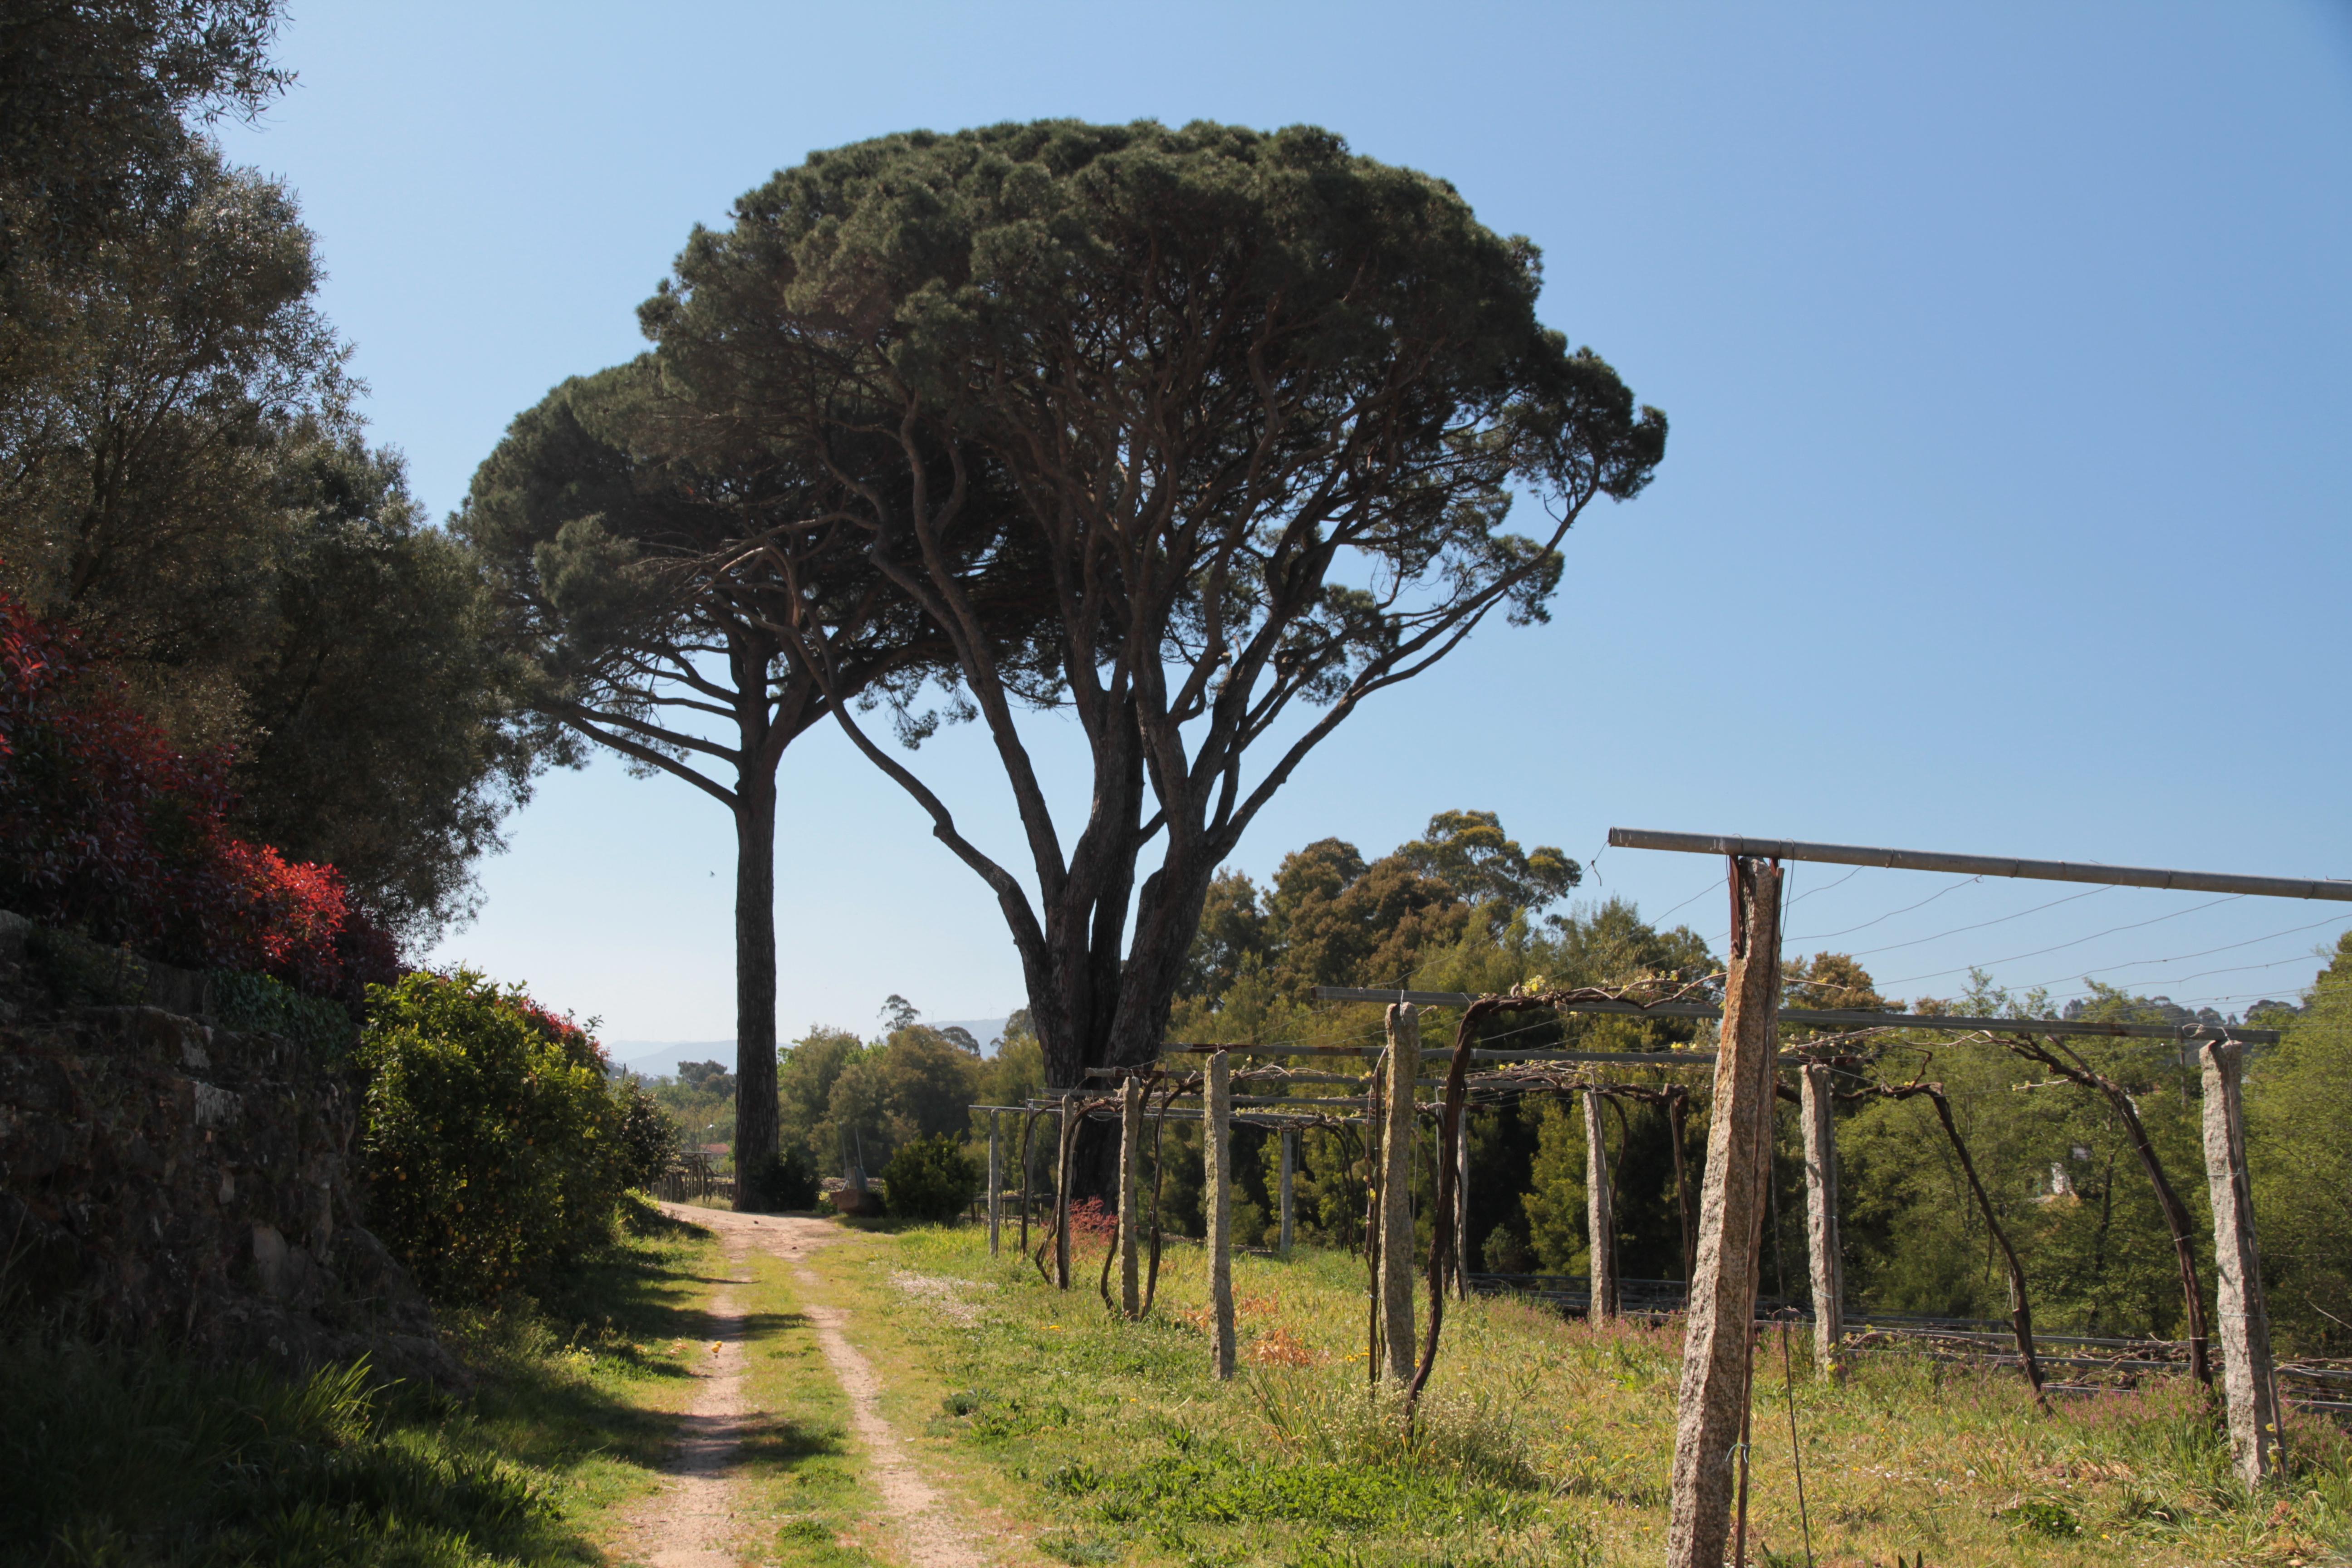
(1983, 865)
(2086, 1389)
(1945, 1023)
(1260, 1118)
(1277, 1075)
(1638, 1058)
(1481, 1052)
(1838, 1018)
(1276, 1119)
(1265, 1118)
(1244, 1078)
(1463, 999)
(2009, 1358)
(1173, 1048)
(1191, 1101)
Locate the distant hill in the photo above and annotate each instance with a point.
(659, 1058)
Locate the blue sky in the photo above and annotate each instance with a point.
(2008, 351)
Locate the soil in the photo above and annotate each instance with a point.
(931, 1538)
(696, 1520)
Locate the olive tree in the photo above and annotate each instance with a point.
(184, 478)
(100, 101)
(1264, 409)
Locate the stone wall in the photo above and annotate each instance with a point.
(160, 1178)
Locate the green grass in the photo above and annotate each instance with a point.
(1061, 1436)
(1540, 1441)
(798, 1470)
(110, 1456)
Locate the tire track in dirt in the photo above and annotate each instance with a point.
(932, 1537)
(693, 1521)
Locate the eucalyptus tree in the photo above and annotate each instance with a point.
(683, 606)
(1263, 408)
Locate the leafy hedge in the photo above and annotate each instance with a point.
(495, 1147)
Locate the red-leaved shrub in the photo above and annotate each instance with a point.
(1091, 1218)
(106, 828)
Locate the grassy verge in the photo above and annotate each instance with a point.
(799, 1474)
(121, 1457)
(1541, 1441)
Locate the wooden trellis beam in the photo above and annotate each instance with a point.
(1216, 1154)
(1599, 1212)
(2249, 1385)
(1984, 864)
(1821, 1218)
(1290, 1151)
(1462, 1210)
(1711, 1426)
(995, 1185)
(1396, 1195)
(1823, 1018)
(1069, 1131)
(1130, 1205)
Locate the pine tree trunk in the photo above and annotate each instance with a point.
(1099, 999)
(755, 986)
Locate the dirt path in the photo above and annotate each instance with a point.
(931, 1538)
(693, 1521)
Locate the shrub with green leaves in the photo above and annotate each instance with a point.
(648, 1137)
(931, 1178)
(495, 1148)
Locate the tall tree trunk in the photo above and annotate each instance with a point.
(1112, 995)
(755, 985)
